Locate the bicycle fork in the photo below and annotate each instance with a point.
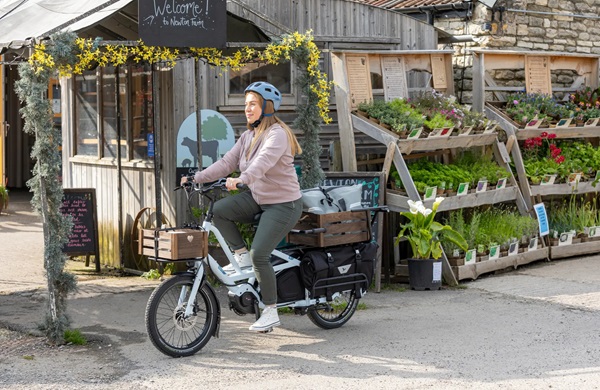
(198, 278)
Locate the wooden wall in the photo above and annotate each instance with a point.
(335, 24)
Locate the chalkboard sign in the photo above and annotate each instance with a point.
(80, 203)
(372, 193)
(183, 23)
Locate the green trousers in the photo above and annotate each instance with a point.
(276, 221)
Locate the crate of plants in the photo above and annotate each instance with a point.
(339, 228)
(173, 244)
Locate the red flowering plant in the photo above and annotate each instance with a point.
(541, 157)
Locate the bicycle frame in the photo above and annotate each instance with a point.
(240, 281)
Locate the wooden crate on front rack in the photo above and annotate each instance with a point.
(345, 227)
(173, 244)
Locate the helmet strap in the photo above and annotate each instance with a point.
(255, 124)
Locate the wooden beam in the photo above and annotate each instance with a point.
(342, 99)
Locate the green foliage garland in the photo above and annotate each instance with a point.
(48, 193)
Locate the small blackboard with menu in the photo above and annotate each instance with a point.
(183, 23)
(80, 204)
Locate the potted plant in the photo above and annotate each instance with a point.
(3, 198)
(425, 235)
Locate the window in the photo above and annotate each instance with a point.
(278, 75)
(96, 112)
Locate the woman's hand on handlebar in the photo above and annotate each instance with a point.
(233, 183)
(186, 179)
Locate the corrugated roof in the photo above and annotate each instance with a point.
(399, 4)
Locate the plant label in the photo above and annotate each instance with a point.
(435, 133)
(548, 180)
(591, 122)
(533, 243)
(481, 186)
(501, 183)
(574, 179)
(437, 272)
(494, 252)
(465, 130)
(490, 128)
(513, 248)
(430, 193)
(463, 189)
(415, 133)
(564, 122)
(534, 124)
(542, 217)
(594, 231)
(470, 256)
(446, 131)
(565, 239)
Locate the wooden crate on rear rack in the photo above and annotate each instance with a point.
(345, 227)
(173, 244)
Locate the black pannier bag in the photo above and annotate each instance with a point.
(289, 286)
(330, 270)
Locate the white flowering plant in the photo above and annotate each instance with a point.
(425, 234)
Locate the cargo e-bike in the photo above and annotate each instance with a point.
(183, 312)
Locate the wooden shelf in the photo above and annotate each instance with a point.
(579, 249)
(473, 271)
(399, 202)
(564, 189)
(561, 132)
(407, 146)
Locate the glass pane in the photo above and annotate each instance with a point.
(109, 112)
(86, 114)
(142, 113)
(278, 75)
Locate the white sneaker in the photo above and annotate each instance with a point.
(268, 319)
(244, 261)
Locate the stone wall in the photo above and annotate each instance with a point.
(542, 25)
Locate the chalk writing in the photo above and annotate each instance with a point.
(181, 23)
(80, 205)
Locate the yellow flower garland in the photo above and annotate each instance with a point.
(89, 53)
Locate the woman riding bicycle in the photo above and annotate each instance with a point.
(264, 155)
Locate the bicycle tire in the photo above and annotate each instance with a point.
(336, 313)
(168, 330)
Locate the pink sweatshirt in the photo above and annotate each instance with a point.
(269, 172)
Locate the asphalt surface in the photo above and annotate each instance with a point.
(537, 327)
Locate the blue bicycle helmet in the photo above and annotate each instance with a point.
(268, 92)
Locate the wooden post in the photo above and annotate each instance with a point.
(342, 102)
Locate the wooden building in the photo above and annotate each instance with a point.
(87, 106)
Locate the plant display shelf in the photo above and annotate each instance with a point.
(579, 249)
(473, 271)
(397, 201)
(511, 127)
(513, 131)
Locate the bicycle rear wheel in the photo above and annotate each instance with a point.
(169, 331)
(336, 313)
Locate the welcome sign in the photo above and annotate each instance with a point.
(183, 23)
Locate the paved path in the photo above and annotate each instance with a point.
(533, 328)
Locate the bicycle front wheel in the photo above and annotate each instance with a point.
(168, 329)
(336, 313)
